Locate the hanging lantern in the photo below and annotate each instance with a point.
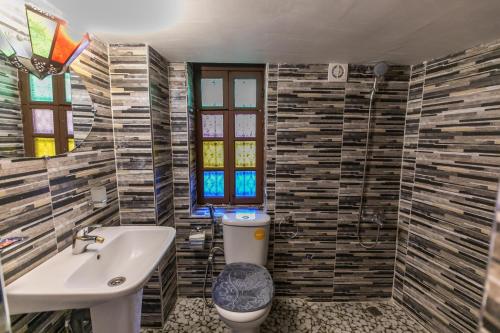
(50, 48)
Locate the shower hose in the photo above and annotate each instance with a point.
(363, 186)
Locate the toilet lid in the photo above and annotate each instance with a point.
(243, 287)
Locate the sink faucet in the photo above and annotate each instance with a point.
(81, 239)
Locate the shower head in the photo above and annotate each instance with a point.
(380, 69)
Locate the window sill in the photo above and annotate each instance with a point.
(202, 211)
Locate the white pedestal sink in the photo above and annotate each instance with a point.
(108, 278)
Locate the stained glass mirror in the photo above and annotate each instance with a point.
(52, 116)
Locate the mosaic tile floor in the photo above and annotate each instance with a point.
(297, 315)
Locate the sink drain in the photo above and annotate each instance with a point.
(114, 282)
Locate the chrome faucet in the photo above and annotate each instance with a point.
(211, 211)
(82, 239)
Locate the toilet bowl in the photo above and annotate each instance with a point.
(244, 322)
(243, 291)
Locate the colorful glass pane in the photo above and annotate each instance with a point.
(213, 125)
(64, 45)
(246, 183)
(245, 154)
(45, 147)
(43, 121)
(245, 93)
(5, 47)
(71, 144)
(41, 90)
(245, 125)
(212, 93)
(69, 121)
(213, 184)
(42, 31)
(20, 44)
(67, 87)
(213, 154)
(83, 45)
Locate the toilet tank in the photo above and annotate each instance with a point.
(246, 237)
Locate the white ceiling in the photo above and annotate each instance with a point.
(294, 31)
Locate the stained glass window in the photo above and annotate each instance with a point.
(71, 144)
(213, 154)
(213, 184)
(43, 121)
(246, 183)
(245, 154)
(213, 125)
(47, 105)
(67, 87)
(69, 120)
(45, 147)
(212, 92)
(229, 140)
(245, 93)
(41, 90)
(244, 125)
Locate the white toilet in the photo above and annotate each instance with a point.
(243, 291)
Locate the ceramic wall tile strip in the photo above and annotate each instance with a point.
(140, 97)
(413, 110)
(190, 263)
(132, 130)
(160, 125)
(454, 190)
(367, 274)
(490, 314)
(271, 116)
(163, 179)
(309, 137)
(11, 128)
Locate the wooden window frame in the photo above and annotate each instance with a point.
(229, 73)
(59, 107)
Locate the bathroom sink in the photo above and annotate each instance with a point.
(105, 273)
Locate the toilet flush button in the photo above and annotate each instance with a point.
(259, 234)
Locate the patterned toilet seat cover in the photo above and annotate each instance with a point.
(243, 287)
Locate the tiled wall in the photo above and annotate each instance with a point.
(133, 136)
(190, 263)
(367, 274)
(307, 149)
(308, 154)
(11, 137)
(490, 312)
(449, 186)
(141, 119)
(45, 199)
(321, 136)
(11, 127)
(162, 151)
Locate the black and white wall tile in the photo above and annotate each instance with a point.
(490, 311)
(141, 119)
(449, 185)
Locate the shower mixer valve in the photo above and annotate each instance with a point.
(376, 217)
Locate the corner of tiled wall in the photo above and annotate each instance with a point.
(140, 104)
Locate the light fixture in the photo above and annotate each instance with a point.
(49, 49)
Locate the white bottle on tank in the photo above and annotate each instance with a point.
(246, 237)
